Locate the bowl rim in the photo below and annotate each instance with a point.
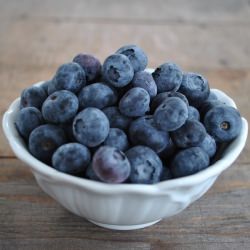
(16, 142)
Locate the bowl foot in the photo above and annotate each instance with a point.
(124, 227)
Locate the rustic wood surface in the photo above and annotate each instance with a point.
(211, 37)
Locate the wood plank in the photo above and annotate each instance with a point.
(142, 11)
(222, 216)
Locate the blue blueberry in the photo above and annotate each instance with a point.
(168, 151)
(212, 96)
(71, 158)
(68, 130)
(90, 64)
(98, 95)
(193, 113)
(146, 166)
(142, 131)
(45, 86)
(116, 118)
(209, 104)
(145, 80)
(136, 55)
(33, 96)
(91, 127)
(117, 139)
(117, 70)
(60, 107)
(223, 123)
(208, 145)
(44, 140)
(166, 174)
(189, 161)
(69, 76)
(111, 165)
(135, 102)
(27, 120)
(90, 173)
(195, 87)
(168, 77)
(171, 114)
(189, 135)
(160, 98)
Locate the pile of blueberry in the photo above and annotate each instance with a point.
(118, 123)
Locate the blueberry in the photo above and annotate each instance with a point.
(146, 166)
(135, 102)
(111, 165)
(168, 151)
(60, 107)
(160, 98)
(91, 66)
(209, 104)
(45, 86)
(33, 96)
(189, 135)
(223, 123)
(166, 174)
(117, 139)
(69, 76)
(208, 145)
(195, 87)
(68, 130)
(90, 173)
(44, 140)
(136, 55)
(117, 70)
(91, 127)
(193, 113)
(189, 161)
(116, 119)
(142, 131)
(171, 114)
(98, 95)
(167, 77)
(212, 96)
(145, 80)
(27, 120)
(71, 158)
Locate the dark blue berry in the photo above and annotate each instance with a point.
(189, 161)
(136, 55)
(117, 70)
(168, 151)
(90, 173)
(91, 127)
(27, 120)
(166, 174)
(168, 77)
(193, 113)
(135, 102)
(208, 145)
(146, 166)
(60, 107)
(45, 86)
(71, 158)
(212, 96)
(111, 165)
(171, 114)
(207, 105)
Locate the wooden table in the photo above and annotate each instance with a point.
(210, 37)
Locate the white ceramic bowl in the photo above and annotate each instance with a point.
(122, 206)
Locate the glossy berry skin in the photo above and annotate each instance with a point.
(208, 145)
(98, 95)
(90, 64)
(116, 118)
(33, 96)
(145, 80)
(69, 76)
(135, 102)
(142, 131)
(44, 140)
(195, 87)
(189, 135)
(27, 120)
(71, 158)
(160, 98)
(146, 166)
(60, 107)
(111, 165)
(117, 139)
(189, 161)
(91, 127)
(223, 123)
(193, 113)
(136, 56)
(171, 114)
(117, 70)
(168, 77)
